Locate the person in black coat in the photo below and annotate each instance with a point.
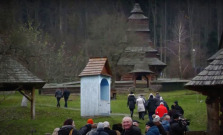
(151, 106)
(58, 95)
(131, 103)
(85, 129)
(157, 99)
(175, 127)
(178, 108)
(66, 95)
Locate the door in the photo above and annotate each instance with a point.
(104, 102)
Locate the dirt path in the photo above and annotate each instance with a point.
(77, 109)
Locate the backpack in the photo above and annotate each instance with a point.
(63, 132)
(146, 104)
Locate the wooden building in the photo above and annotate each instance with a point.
(95, 88)
(142, 52)
(15, 77)
(209, 82)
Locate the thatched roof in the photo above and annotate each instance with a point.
(13, 75)
(137, 13)
(211, 78)
(96, 66)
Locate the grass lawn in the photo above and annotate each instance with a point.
(16, 120)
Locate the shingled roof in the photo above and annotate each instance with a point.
(220, 47)
(14, 74)
(141, 68)
(211, 78)
(137, 13)
(96, 66)
(136, 60)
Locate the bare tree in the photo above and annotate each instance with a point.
(180, 35)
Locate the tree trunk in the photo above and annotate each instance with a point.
(213, 116)
(165, 38)
(179, 49)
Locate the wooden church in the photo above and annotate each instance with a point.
(140, 62)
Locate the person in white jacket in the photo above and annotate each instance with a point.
(141, 108)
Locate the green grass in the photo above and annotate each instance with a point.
(16, 120)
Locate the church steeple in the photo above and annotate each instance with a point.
(139, 24)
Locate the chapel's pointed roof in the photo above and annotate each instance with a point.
(96, 66)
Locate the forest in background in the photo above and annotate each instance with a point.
(55, 38)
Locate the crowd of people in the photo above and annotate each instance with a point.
(162, 120)
(127, 127)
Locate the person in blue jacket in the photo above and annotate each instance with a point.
(152, 129)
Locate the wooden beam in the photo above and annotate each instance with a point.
(29, 98)
(33, 104)
(213, 116)
(221, 116)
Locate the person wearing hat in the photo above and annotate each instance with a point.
(152, 129)
(90, 121)
(86, 128)
(161, 110)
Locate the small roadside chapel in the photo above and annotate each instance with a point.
(209, 82)
(15, 77)
(95, 88)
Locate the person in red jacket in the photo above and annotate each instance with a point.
(161, 110)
